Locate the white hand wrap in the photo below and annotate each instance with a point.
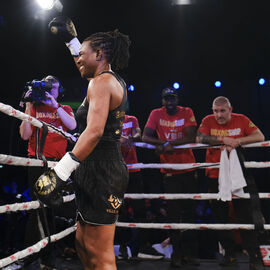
(66, 166)
(74, 46)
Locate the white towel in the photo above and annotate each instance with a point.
(231, 179)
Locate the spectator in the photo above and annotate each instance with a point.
(167, 127)
(60, 116)
(231, 130)
(132, 133)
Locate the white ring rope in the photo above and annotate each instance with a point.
(28, 205)
(135, 196)
(191, 196)
(36, 247)
(190, 226)
(201, 145)
(7, 109)
(21, 161)
(185, 166)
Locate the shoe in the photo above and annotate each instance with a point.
(123, 253)
(149, 252)
(228, 261)
(190, 261)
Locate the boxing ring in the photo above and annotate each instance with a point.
(22, 161)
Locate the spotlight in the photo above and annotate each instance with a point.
(183, 2)
(49, 4)
(217, 83)
(46, 4)
(131, 88)
(176, 85)
(261, 81)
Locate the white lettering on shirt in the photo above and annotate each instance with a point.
(127, 125)
(175, 123)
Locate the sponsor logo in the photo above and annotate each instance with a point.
(49, 115)
(225, 132)
(127, 125)
(115, 203)
(265, 251)
(46, 184)
(175, 123)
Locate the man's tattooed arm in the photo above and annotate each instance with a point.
(207, 139)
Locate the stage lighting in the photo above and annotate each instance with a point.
(183, 2)
(261, 81)
(49, 4)
(131, 88)
(217, 83)
(176, 85)
(46, 4)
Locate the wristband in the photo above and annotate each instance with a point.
(74, 46)
(165, 144)
(66, 166)
(58, 106)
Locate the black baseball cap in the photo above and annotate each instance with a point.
(169, 92)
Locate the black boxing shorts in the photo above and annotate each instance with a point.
(100, 183)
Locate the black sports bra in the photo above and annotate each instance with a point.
(114, 123)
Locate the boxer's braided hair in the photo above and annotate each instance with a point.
(115, 46)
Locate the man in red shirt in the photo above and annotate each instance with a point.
(167, 127)
(131, 132)
(62, 117)
(231, 130)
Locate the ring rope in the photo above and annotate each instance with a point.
(21, 161)
(185, 226)
(202, 146)
(9, 110)
(28, 205)
(135, 196)
(189, 226)
(185, 166)
(36, 247)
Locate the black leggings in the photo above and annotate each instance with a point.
(242, 209)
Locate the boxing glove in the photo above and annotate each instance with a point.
(49, 185)
(65, 29)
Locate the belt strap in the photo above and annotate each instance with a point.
(257, 215)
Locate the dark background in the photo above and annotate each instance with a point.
(195, 45)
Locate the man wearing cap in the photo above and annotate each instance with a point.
(169, 126)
